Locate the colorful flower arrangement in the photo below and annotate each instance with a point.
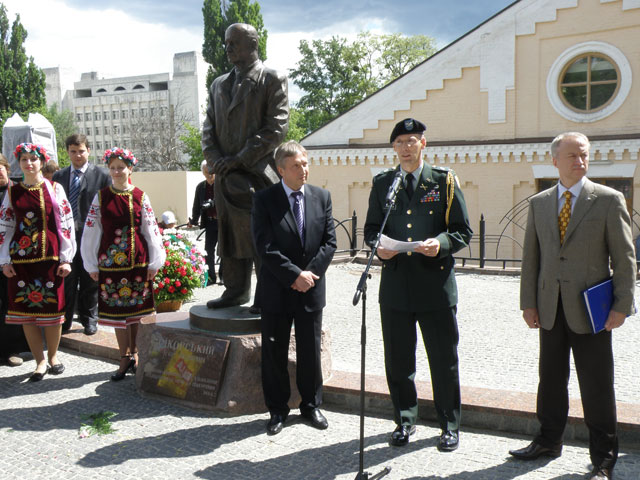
(184, 269)
(123, 154)
(32, 148)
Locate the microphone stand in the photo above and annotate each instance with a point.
(361, 291)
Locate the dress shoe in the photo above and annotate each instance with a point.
(601, 473)
(119, 375)
(535, 450)
(448, 441)
(316, 418)
(254, 310)
(56, 369)
(224, 302)
(90, 329)
(37, 376)
(275, 423)
(401, 434)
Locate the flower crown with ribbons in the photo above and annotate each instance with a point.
(123, 154)
(32, 148)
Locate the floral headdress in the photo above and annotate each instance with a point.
(123, 154)
(32, 148)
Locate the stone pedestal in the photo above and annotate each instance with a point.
(208, 370)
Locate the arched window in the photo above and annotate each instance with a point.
(139, 87)
(119, 89)
(101, 90)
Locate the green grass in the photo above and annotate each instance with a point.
(100, 424)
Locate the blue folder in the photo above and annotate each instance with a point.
(598, 300)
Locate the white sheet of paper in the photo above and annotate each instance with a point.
(397, 245)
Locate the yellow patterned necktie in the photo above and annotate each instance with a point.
(565, 215)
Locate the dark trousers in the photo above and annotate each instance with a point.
(210, 242)
(82, 292)
(440, 336)
(593, 358)
(276, 331)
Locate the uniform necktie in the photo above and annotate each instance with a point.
(409, 184)
(74, 192)
(565, 215)
(297, 212)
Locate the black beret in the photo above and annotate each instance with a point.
(408, 125)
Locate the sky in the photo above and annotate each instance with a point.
(119, 38)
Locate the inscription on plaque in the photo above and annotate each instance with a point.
(185, 366)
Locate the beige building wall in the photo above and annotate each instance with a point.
(492, 119)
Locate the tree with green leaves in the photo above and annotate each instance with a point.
(22, 83)
(192, 146)
(218, 15)
(337, 74)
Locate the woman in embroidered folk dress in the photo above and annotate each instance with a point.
(122, 249)
(36, 249)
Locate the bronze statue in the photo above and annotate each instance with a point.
(247, 118)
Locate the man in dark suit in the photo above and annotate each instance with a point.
(204, 212)
(420, 285)
(81, 181)
(294, 235)
(576, 232)
(247, 118)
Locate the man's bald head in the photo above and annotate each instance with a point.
(241, 44)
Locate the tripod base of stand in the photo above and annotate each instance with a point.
(365, 475)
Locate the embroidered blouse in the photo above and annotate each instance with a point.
(31, 229)
(124, 236)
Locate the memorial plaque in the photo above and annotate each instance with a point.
(185, 366)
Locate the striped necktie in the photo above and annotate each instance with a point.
(74, 192)
(297, 212)
(565, 215)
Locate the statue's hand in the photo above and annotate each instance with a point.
(221, 166)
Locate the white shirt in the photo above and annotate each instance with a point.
(575, 191)
(416, 175)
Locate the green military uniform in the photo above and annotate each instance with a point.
(416, 288)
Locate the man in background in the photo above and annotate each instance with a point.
(81, 181)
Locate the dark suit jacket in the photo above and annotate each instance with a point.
(283, 256)
(198, 217)
(413, 282)
(598, 237)
(94, 179)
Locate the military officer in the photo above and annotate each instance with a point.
(419, 285)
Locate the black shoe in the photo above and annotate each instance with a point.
(275, 423)
(224, 302)
(56, 369)
(255, 310)
(119, 375)
(90, 329)
(449, 440)
(535, 450)
(37, 376)
(316, 418)
(401, 434)
(601, 473)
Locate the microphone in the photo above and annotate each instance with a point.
(393, 189)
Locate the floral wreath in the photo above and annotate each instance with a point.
(32, 148)
(123, 154)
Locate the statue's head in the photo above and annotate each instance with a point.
(241, 44)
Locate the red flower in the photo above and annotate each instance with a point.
(166, 280)
(184, 291)
(177, 283)
(167, 263)
(171, 289)
(24, 242)
(161, 285)
(35, 296)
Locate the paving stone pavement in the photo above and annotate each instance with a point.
(40, 422)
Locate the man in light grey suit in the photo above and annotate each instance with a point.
(555, 271)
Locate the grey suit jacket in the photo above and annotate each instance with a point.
(598, 240)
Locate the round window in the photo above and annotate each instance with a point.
(589, 82)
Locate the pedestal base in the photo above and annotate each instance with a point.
(208, 370)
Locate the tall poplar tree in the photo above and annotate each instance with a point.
(22, 83)
(218, 15)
